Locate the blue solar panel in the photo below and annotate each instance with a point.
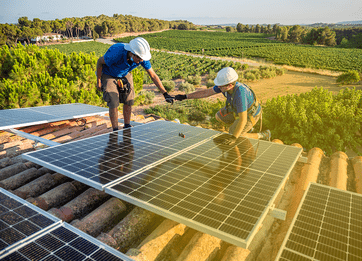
(20, 220)
(14, 118)
(66, 243)
(327, 226)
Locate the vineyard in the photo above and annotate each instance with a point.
(167, 66)
(246, 45)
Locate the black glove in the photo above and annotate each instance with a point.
(168, 97)
(180, 97)
(229, 140)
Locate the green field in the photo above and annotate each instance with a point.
(248, 45)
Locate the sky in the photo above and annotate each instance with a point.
(201, 12)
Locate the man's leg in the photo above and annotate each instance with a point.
(127, 110)
(113, 115)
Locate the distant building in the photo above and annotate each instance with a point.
(47, 37)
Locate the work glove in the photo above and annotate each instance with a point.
(168, 97)
(180, 97)
(229, 140)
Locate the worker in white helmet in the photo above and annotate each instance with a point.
(242, 110)
(114, 77)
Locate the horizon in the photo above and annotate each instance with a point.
(202, 12)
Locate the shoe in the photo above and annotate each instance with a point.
(266, 135)
(126, 126)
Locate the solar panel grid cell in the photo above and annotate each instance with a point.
(64, 243)
(322, 229)
(18, 221)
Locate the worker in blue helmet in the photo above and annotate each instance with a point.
(115, 80)
(242, 110)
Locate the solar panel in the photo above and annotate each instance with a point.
(101, 160)
(64, 242)
(222, 191)
(20, 220)
(327, 226)
(14, 118)
(181, 172)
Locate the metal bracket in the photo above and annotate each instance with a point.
(278, 213)
(303, 159)
(36, 139)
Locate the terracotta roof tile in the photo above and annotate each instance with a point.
(142, 234)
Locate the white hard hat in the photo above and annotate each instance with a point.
(140, 47)
(225, 76)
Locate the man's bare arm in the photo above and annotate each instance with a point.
(100, 63)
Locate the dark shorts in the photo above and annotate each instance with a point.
(113, 95)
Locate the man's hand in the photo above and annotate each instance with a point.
(180, 97)
(168, 98)
(230, 140)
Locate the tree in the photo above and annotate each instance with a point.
(239, 27)
(29, 33)
(229, 29)
(296, 34)
(79, 26)
(24, 22)
(269, 29)
(46, 26)
(69, 23)
(257, 28)
(275, 28)
(9, 34)
(182, 27)
(326, 36)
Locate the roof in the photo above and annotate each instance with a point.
(141, 234)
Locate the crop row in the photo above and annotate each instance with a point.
(256, 45)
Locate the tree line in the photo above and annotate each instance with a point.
(344, 37)
(91, 26)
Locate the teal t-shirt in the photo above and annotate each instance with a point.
(243, 98)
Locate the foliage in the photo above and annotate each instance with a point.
(348, 77)
(317, 119)
(195, 80)
(145, 98)
(31, 76)
(194, 112)
(186, 87)
(169, 85)
(90, 27)
(210, 83)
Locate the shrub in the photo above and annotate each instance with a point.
(169, 85)
(245, 66)
(210, 83)
(349, 77)
(211, 75)
(186, 87)
(279, 71)
(267, 72)
(146, 79)
(252, 75)
(144, 98)
(195, 80)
